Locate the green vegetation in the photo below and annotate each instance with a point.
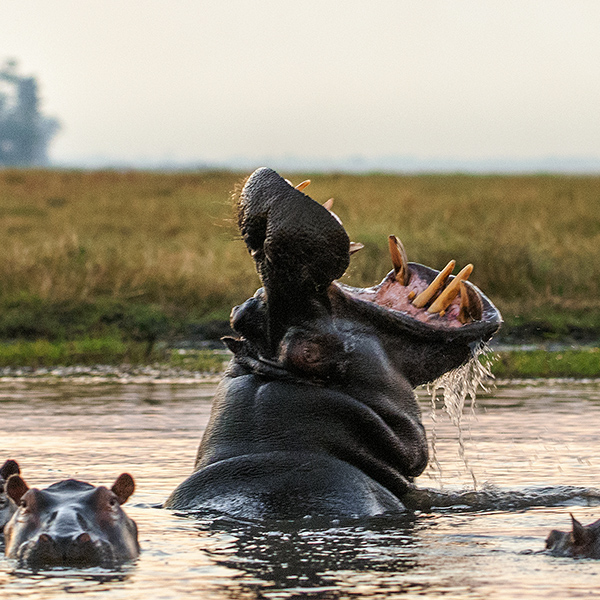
(130, 258)
(539, 363)
(106, 351)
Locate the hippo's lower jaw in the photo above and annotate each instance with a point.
(79, 552)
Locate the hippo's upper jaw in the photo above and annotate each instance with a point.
(428, 321)
(316, 413)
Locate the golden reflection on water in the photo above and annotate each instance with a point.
(536, 434)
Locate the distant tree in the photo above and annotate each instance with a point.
(24, 132)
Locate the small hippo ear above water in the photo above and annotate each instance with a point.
(10, 467)
(123, 487)
(16, 488)
(579, 532)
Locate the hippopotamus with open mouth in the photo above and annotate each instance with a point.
(581, 542)
(316, 413)
(70, 524)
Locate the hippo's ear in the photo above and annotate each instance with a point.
(123, 487)
(15, 488)
(579, 532)
(10, 467)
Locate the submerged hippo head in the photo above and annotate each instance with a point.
(7, 506)
(71, 523)
(581, 542)
(316, 413)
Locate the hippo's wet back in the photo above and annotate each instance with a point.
(316, 413)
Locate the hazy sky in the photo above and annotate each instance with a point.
(207, 80)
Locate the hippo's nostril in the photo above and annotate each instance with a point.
(83, 538)
(45, 539)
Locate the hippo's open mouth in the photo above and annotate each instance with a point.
(301, 249)
(409, 290)
(421, 299)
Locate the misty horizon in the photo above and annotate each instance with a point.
(581, 165)
(390, 85)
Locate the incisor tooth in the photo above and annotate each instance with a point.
(471, 306)
(437, 284)
(355, 247)
(443, 301)
(399, 260)
(329, 204)
(302, 185)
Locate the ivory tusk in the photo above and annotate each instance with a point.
(303, 185)
(355, 247)
(471, 306)
(328, 205)
(437, 284)
(399, 260)
(443, 301)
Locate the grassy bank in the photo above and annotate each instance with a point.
(106, 351)
(110, 351)
(540, 363)
(143, 257)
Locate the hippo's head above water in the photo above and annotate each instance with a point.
(581, 542)
(70, 523)
(316, 414)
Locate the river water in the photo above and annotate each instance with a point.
(531, 449)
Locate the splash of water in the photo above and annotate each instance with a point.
(454, 388)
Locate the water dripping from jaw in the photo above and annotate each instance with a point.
(454, 387)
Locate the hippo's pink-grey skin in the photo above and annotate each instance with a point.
(70, 524)
(581, 542)
(316, 413)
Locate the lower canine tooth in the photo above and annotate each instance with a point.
(399, 260)
(437, 284)
(471, 306)
(443, 301)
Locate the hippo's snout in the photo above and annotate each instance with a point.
(55, 551)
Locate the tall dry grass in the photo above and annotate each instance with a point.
(166, 239)
(169, 239)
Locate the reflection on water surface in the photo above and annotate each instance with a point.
(534, 435)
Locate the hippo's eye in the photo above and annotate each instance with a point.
(23, 504)
(112, 502)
